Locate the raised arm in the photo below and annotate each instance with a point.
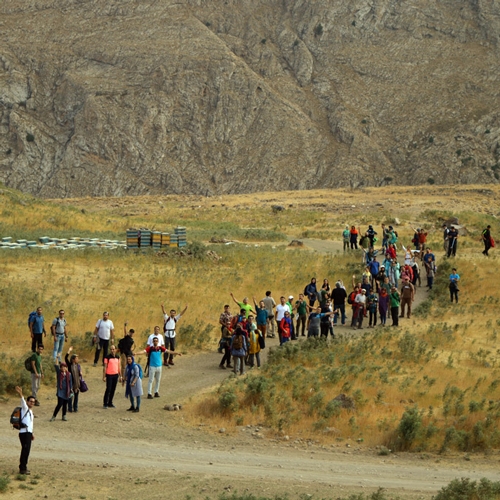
(184, 310)
(235, 301)
(163, 309)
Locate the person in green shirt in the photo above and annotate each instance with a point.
(36, 372)
(394, 301)
(244, 305)
(301, 307)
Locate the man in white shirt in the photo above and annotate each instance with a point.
(156, 334)
(25, 430)
(103, 333)
(169, 324)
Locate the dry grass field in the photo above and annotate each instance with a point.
(432, 385)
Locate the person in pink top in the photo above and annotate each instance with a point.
(111, 373)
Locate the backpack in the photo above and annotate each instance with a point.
(16, 417)
(31, 318)
(351, 298)
(165, 323)
(28, 365)
(238, 342)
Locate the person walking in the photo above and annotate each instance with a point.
(486, 237)
(60, 334)
(64, 390)
(133, 381)
(36, 372)
(26, 435)
(37, 329)
(111, 374)
(169, 323)
(103, 333)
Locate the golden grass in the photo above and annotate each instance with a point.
(132, 286)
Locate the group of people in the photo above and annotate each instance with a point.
(385, 288)
(118, 365)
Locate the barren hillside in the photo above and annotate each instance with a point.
(224, 96)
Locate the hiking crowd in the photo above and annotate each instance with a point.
(385, 287)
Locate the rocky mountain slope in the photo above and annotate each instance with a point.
(114, 97)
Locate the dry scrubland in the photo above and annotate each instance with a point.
(433, 385)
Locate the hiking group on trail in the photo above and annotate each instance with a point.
(384, 288)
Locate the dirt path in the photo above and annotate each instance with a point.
(154, 449)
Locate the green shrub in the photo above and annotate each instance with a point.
(465, 489)
(409, 428)
(228, 400)
(4, 483)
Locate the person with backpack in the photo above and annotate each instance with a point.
(36, 324)
(75, 370)
(64, 390)
(155, 355)
(311, 292)
(353, 237)
(26, 435)
(36, 372)
(133, 381)
(238, 350)
(487, 239)
(104, 332)
(254, 342)
(169, 324)
(452, 242)
(60, 334)
(111, 374)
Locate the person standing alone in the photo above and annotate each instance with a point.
(486, 237)
(103, 333)
(26, 435)
(60, 334)
(37, 329)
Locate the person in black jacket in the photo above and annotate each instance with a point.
(486, 236)
(339, 296)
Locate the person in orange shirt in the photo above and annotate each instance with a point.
(354, 233)
(110, 374)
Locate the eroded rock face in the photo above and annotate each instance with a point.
(218, 96)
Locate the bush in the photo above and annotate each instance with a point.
(409, 428)
(30, 137)
(4, 483)
(465, 489)
(318, 30)
(228, 401)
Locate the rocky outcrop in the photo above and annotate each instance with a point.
(206, 96)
